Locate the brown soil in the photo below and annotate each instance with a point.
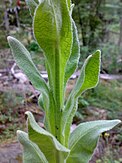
(11, 153)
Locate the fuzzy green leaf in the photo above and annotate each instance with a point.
(24, 61)
(53, 32)
(47, 143)
(88, 78)
(84, 138)
(75, 54)
(89, 75)
(31, 151)
(69, 3)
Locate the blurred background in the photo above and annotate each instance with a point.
(99, 24)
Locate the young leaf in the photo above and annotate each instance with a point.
(24, 61)
(84, 138)
(31, 150)
(48, 144)
(74, 57)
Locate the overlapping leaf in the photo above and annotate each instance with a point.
(47, 143)
(31, 150)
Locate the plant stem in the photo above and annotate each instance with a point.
(59, 158)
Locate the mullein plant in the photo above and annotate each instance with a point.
(56, 33)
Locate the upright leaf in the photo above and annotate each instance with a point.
(84, 138)
(88, 78)
(24, 61)
(31, 150)
(75, 54)
(48, 144)
(89, 75)
(53, 32)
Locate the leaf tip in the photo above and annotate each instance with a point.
(117, 121)
(27, 112)
(98, 51)
(9, 38)
(29, 116)
(19, 132)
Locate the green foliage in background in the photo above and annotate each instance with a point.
(107, 96)
(100, 25)
(9, 101)
(56, 34)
